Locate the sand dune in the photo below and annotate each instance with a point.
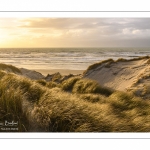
(31, 74)
(122, 74)
(74, 104)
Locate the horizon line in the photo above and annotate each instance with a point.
(86, 47)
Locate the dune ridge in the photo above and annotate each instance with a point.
(122, 75)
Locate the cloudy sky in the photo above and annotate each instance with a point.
(74, 32)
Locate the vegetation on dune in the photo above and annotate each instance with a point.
(75, 105)
(93, 98)
(68, 84)
(126, 101)
(148, 61)
(42, 82)
(90, 86)
(56, 77)
(52, 84)
(134, 59)
(94, 66)
(133, 109)
(121, 60)
(140, 58)
(108, 62)
(9, 68)
(11, 101)
(49, 84)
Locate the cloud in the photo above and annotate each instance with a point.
(79, 31)
(103, 25)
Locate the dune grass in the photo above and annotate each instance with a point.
(15, 92)
(42, 82)
(68, 84)
(49, 84)
(90, 108)
(90, 86)
(56, 77)
(94, 66)
(9, 67)
(133, 59)
(11, 102)
(93, 98)
(52, 84)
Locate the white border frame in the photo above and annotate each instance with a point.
(67, 14)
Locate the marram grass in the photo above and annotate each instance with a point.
(68, 84)
(9, 68)
(89, 108)
(90, 86)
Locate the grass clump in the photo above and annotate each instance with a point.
(49, 84)
(148, 61)
(132, 109)
(67, 113)
(121, 60)
(52, 84)
(68, 84)
(126, 101)
(42, 82)
(16, 96)
(9, 67)
(140, 58)
(34, 93)
(90, 86)
(94, 66)
(93, 98)
(56, 77)
(146, 90)
(11, 105)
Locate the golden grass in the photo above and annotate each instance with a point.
(90, 86)
(42, 82)
(68, 84)
(94, 66)
(9, 67)
(51, 84)
(93, 98)
(90, 108)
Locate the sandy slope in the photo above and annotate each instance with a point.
(41, 73)
(122, 75)
(31, 74)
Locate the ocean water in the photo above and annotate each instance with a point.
(65, 58)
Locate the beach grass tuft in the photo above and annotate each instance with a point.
(9, 68)
(90, 86)
(68, 84)
(94, 66)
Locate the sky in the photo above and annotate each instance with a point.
(74, 32)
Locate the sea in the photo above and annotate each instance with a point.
(65, 58)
